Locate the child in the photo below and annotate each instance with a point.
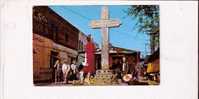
(81, 76)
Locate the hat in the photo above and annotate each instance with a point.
(127, 77)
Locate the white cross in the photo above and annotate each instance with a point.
(105, 23)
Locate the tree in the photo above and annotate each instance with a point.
(147, 17)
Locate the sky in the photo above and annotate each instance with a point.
(125, 36)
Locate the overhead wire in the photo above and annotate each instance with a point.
(127, 34)
(88, 19)
(77, 13)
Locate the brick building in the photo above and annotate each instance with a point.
(53, 38)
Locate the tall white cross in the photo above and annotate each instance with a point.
(105, 23)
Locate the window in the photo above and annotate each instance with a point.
(45, 25)
(66, 37)
(79, 45)
(55, 30)
(52, 30)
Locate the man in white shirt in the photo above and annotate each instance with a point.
(65, 70)
(124, 66)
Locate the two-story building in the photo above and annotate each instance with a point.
(53, 38)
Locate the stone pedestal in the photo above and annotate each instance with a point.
(104, 77)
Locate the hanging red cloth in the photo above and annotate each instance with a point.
(90, 57)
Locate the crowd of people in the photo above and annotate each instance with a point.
(69, 73)
(122, 70)
(65, 72)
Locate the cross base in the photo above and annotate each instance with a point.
(104, 77)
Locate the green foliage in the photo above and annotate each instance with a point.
(147, 16)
